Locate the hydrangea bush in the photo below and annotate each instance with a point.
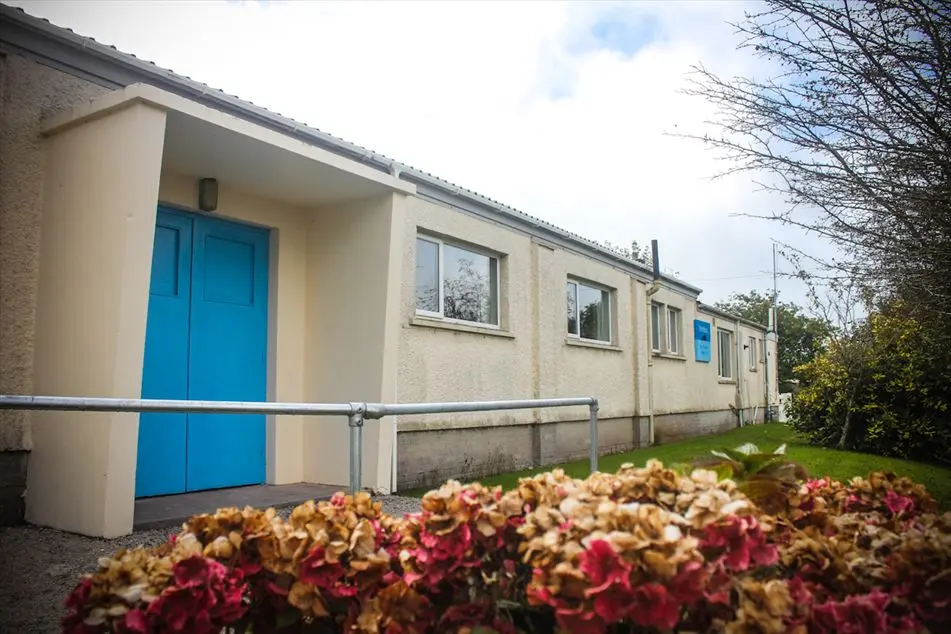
(642, 550)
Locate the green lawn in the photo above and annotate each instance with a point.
(840, 465)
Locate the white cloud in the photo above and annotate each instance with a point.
(520, 101)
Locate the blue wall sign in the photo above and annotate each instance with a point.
(701, 340)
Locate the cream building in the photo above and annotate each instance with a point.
(319, 272)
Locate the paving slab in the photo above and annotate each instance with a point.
(171, 510)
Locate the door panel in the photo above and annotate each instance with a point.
(161, 447)
(228, 353)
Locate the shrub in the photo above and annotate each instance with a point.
(637, 551)
(885, 390)
(768, 479)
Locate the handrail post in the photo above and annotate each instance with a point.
(593, 432)
(356, 446)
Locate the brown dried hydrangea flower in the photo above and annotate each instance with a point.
(763, 607)
(222, 534)
(878, 484)
(653, 483)
(653, 542)
(925, 548)
(125, 580)
(673, 550)
(806, 509)
(447, 508)
(545, 489)
(306, 598)
(824, 558)
(397, 604)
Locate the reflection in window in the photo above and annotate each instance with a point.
(725, 353)
(427, 276)
(674, 330)
(572, 308)
(655, 327)
(470, 286)
(468, 281)
(589, 312)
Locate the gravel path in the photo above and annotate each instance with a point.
(40, 566)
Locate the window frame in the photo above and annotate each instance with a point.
(728, 357)
(609, 310)
(678, 336)
(440, 281)
(656, 312)
(660, 315)
(439, 290)
(752, 358)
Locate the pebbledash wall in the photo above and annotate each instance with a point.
(529, 352)
(30, 92)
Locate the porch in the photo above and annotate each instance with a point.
(333, 232)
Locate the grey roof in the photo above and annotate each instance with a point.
(62, 48)
(713, 310)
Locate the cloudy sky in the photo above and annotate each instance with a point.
(557, 109)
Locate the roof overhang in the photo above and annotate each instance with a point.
(212, 144)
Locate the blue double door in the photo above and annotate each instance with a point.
(206, 339)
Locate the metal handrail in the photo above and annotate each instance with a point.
(356, 413)
(89, 404)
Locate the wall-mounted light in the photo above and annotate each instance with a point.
(208, 194)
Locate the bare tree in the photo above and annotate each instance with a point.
(843, 305)
(854, 129)
(638, 253)
(467, 295)
(634, 252)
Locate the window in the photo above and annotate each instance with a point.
(589, 312)
(655, 327)
(751, 353)
(762, 351)
(456, 283)
(674, 330)
(725, 353)
(427, 276)
(667, 326)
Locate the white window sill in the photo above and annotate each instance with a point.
(583, 343)
(429, 322)
(723, 381)
(667, 355)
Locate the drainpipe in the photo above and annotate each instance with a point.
(766, 412)
(653, 288)
(770, 336)
(738, 347)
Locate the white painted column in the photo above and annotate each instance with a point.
(100, 196)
